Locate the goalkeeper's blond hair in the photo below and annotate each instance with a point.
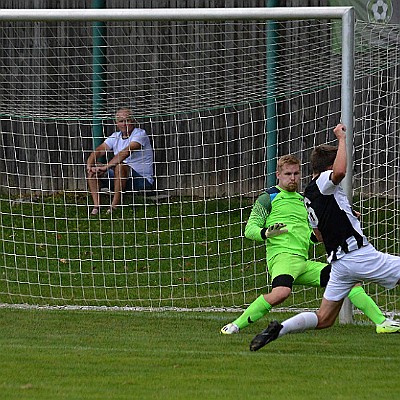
(287, 159)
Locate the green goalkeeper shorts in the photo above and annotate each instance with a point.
(304, 272)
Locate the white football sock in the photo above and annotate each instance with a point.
(299, 323)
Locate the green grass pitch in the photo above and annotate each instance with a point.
(62, 354)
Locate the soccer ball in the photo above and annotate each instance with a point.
(379, 11)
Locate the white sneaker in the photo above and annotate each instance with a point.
(230, 329)
(388, 326)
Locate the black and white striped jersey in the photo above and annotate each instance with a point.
(329, 210)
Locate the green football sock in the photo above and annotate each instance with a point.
(362, 301)
(257, 309)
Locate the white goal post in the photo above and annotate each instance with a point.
(198, 82)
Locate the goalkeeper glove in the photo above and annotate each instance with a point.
(273, 230)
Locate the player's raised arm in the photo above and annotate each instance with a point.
(340, 163)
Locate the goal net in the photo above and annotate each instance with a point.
(220, 101)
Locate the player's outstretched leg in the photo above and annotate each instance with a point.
(361, 300)
(256, 310)
(267, 335)
(298, 323)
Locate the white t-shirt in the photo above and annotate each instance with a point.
(140, 160)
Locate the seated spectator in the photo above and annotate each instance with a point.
(131, 168)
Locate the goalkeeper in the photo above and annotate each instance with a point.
(280, 218)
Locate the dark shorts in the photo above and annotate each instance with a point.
(135, 182)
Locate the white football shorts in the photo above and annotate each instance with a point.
(363, 265)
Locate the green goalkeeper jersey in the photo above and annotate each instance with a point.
(278, 205)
